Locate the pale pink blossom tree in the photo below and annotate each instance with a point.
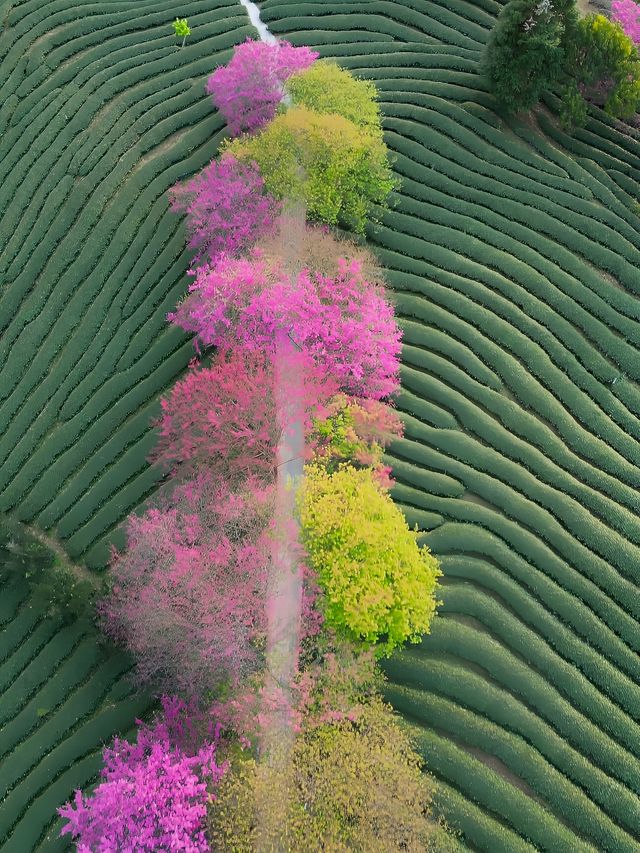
(188, 595)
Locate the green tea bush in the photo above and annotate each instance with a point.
(379, 585)
(339, 169)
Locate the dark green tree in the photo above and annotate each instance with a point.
(526, 51)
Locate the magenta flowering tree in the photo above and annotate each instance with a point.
(153, 794)
(627, 14)
(227, 207)
(343, 322)
(249, 88)
(224, 416)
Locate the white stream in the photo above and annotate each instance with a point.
(254, 17)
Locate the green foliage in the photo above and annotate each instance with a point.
(352, 786)
(525, 54)
(379, 584)
(55, 589)
(605, 64)
(573, 108)
(537, 45)
(325, 87)
(181, 27)
(337, 435)
(340, 170)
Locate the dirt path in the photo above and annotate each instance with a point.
(284, 591)
(284, 596)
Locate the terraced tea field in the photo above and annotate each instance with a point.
(62, 696)
(101, 113)
(514, 254)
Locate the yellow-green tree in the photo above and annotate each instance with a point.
(353, 786)
(325, 87)
(379, 585)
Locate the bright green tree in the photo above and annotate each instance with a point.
(379, 585)
(181, 28)
(325, 87)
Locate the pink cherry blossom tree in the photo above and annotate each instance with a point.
(227, 208)
(627, 14)
(153, 794)
(224, 416)
(343, 322)
(249, 88)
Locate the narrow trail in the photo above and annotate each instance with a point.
(284, 595)
(284, 591)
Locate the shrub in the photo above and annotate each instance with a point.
(325, 87)
(337, 683)
(320, 251)
(627, 14)
(227, 208)
(353, 786)
(355, 431)
(605, 64)
(338, 169)
(525, 54)
(334, 680)
(573, 107)
(343, 323)
(224, 416)
(249, 88)
(379, 585)
(153, 796)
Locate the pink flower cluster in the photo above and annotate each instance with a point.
(153, 795)
(344, 323)
(249, 88)
(227, 208)
(627, 14)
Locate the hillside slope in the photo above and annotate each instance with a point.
(101, 114)
(514, 254)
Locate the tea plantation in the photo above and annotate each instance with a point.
(513, 252)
